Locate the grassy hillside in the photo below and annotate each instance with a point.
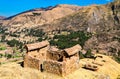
(15, 71)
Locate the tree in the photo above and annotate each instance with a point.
(88, 53)
(40, 39)
(3, 38)
(15, 43)
(66, 41)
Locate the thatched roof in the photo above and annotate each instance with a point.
(38, 45)
(53, 48)
(73, 50)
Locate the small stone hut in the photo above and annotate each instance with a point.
(62, 62)
(36, 54)
(51, 59)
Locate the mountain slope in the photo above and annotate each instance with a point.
(88, 18)
(100, 20)
(103, 21)
(2, 17)
(40, 16)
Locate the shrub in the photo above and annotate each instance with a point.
(2, 48)
(2, 30)
(3, 38)
(36, 32)
(36, 14)
(117, 59)
(8, 56)
(1, 55)
(40, 39)
(88, 54)
(14, 42)
(14, 35)
(81, 55)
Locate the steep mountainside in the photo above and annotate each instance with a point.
(103, 21)
(40, 16)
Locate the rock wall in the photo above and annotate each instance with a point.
(31, 62)
(53, 67)
(70, 65)
(62, 68)
(53, 56)
(51, 62)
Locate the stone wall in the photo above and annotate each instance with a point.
(35, 58)
(31, 62)
(70, 65)
(53, 62)
(53, 67)
(53, 56)
(62, 68)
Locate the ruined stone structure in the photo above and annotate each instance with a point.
(47, 58)
(36, 54)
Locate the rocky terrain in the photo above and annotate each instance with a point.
(96, 28)
(40, 16)
(110, 70)
(102, 21)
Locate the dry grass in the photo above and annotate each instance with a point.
(110, 68)
(15, 71)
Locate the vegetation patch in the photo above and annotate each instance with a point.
(66, 41)
(36, 32)
(15, 43)
(2, 48)
(117, 59)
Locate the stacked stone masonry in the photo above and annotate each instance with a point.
(51, 59)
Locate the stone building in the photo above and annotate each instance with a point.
(51, 59)
(36, 54)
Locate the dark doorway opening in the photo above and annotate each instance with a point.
(41, 67)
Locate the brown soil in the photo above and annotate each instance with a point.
(110, 69)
